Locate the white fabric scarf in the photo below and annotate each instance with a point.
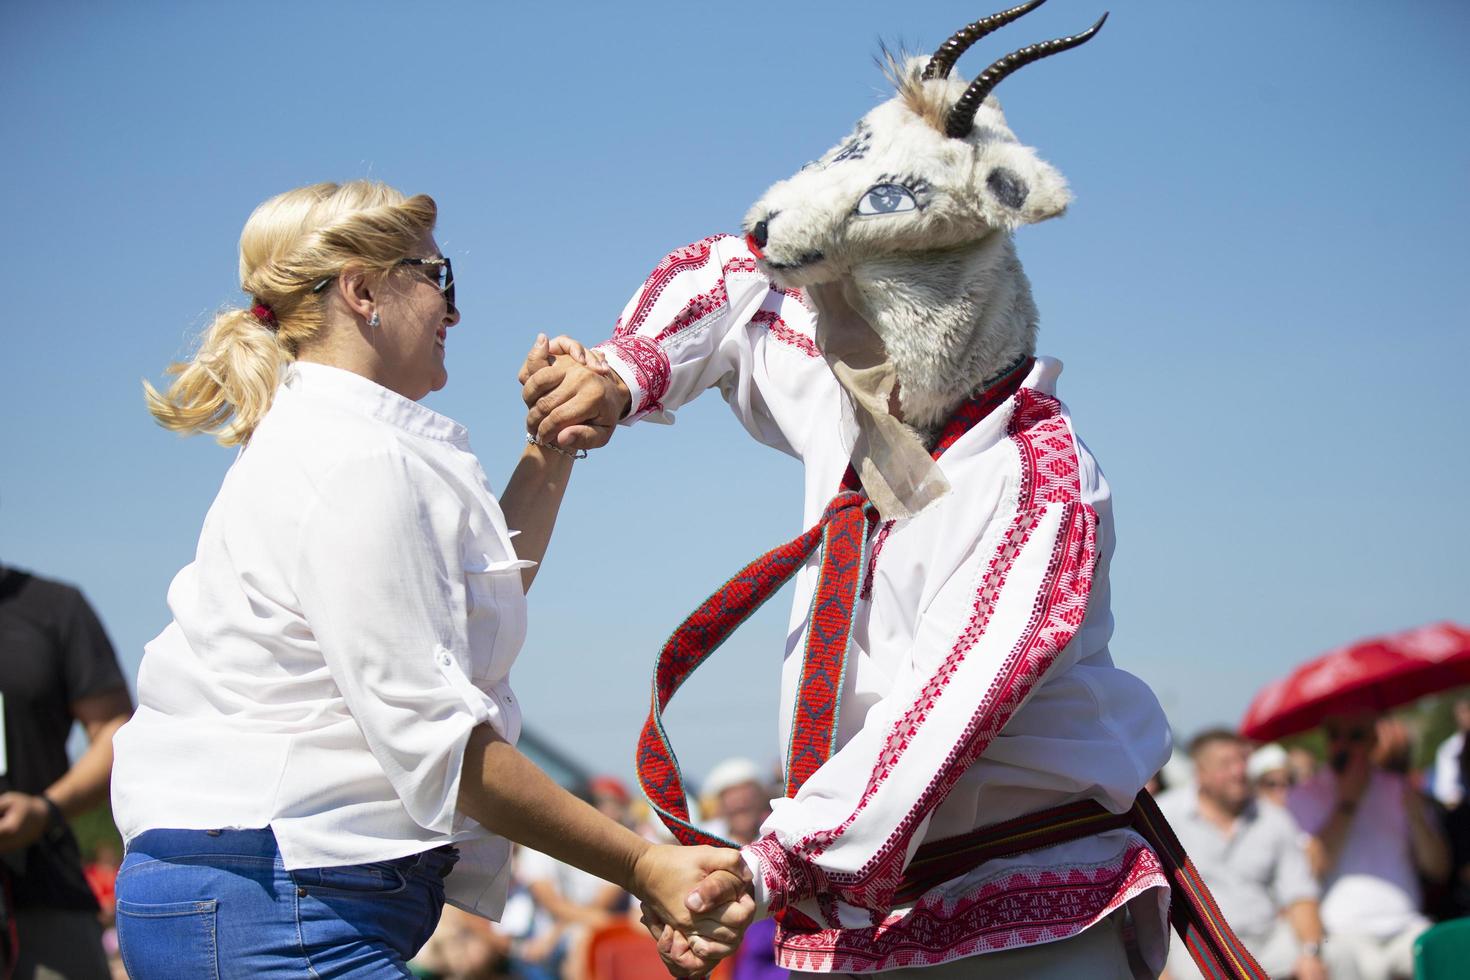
(895, 467)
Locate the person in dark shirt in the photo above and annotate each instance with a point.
(56, 668)
(1456, 902)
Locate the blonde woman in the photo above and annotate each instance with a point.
(324, 744)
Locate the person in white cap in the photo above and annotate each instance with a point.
(738, 798)
(1269, 772)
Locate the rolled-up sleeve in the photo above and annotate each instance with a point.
(381, 585)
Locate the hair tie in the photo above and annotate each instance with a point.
(264, 314)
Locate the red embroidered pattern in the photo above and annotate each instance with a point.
(689, 257)
(778, 872)
(650, 367)
(695, 310)
(1048, 457)
(704, 304)
(650, 364)
(779, 330)
(829, 629)
(1058, 610)
(1020, 908)
(707, 627)
(971, 412)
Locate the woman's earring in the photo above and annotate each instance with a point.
(374, 322)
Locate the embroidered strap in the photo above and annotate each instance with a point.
(824, 665)
(1215, 948)
(842, 536)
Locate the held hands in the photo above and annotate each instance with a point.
(694, 955)
(573, 398)
(697, 903)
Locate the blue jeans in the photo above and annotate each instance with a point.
(200, 904)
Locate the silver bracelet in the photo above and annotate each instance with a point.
(531, 440)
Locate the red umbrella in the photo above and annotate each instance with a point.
(1373, 675)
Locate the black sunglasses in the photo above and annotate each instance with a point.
(442, 277)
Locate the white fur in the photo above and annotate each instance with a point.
(941, 284)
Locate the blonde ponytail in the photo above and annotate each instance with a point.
(227, 386)
(290, 244)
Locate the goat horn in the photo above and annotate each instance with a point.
(949, 52)
(962, 116)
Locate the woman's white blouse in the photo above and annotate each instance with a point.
(352, 612)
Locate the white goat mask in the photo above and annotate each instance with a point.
(934, 168)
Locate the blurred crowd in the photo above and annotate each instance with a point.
(1326, 866)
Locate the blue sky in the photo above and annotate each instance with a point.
(1259, 295)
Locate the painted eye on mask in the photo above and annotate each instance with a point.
(887, 199)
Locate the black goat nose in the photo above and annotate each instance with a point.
(759, 234)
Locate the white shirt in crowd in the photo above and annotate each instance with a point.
(1446, 782)
(573, 884)
(1255, 871)
(1373, 889)
(351, 613)
(978, 685)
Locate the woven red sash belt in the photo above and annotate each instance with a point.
(1214, 946)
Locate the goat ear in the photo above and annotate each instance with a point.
(1016, 187)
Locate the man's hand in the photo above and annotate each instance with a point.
(573, 397)
(697, 904)
(692, 953)
(22, 820)
(675, 949)
(673, 883)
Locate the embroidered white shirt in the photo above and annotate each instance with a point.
(978, 686)
(352, 612)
